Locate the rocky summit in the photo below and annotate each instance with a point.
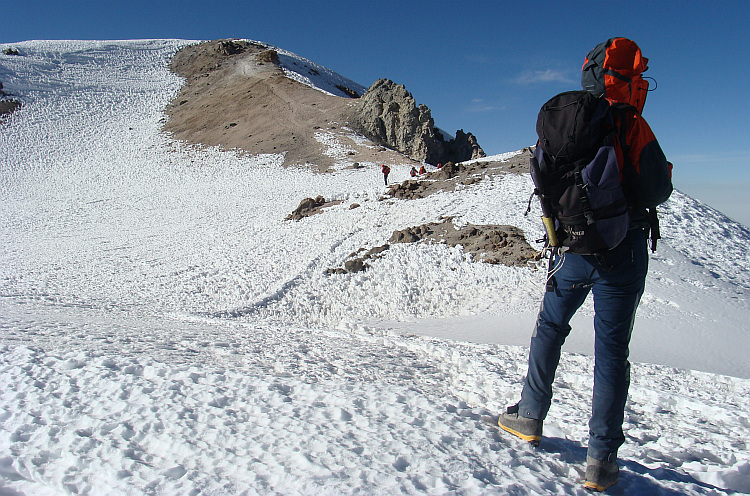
(388, 114)
(249, 96)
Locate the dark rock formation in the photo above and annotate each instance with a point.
(452, 176)
(463, 147)
(310, 206)
(7, 106)
(389, 115)
(231, 47)
(270, 56)
(493, 244)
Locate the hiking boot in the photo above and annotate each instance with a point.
(526, 428)
(600, 474)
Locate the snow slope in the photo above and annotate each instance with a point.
(164, 330)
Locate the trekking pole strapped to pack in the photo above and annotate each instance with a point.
(548, 213)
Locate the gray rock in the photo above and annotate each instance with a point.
(389, 115)
(356, 265)
(307, 207)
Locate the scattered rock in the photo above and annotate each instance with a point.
(8, 106)
(269, 56)
(451, 175)
(494, 244)
(231, 47)
(310, 206)
(348, 91)
(11, 51)
(358, 263)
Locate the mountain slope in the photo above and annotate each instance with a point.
(164, 330)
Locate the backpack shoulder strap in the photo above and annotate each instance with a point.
(623, 115)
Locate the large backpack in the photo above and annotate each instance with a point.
(613, 69)
(577, 174)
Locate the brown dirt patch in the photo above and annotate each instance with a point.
(494, 244)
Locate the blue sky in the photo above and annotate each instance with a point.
(484, 67)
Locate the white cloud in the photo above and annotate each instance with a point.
(547, 76)
(479, 105)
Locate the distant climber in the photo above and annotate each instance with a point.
(386, 170)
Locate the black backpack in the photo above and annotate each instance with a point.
(577, 174)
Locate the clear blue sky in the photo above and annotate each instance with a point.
(484, 67)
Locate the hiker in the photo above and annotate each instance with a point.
(422, 170)
(386, 170)
(615, 276)
(413, 172)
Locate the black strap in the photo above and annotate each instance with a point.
(550, 286)
(653, 222)
(584, 197)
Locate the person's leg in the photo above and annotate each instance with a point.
(616, 297)
(552, 327)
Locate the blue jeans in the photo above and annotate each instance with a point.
(617, 286)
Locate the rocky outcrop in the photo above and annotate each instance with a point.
(237, 95)
(268, 56)
(310, 206)
(492, 244)
(463, 147)
(452, 176)
(389, 115)
(7, 106)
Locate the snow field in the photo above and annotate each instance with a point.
(299, 411)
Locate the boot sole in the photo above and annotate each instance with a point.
(594, 487)
(534, 440)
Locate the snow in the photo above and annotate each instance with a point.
(164, 331)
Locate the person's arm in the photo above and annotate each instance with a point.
(651, 184)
